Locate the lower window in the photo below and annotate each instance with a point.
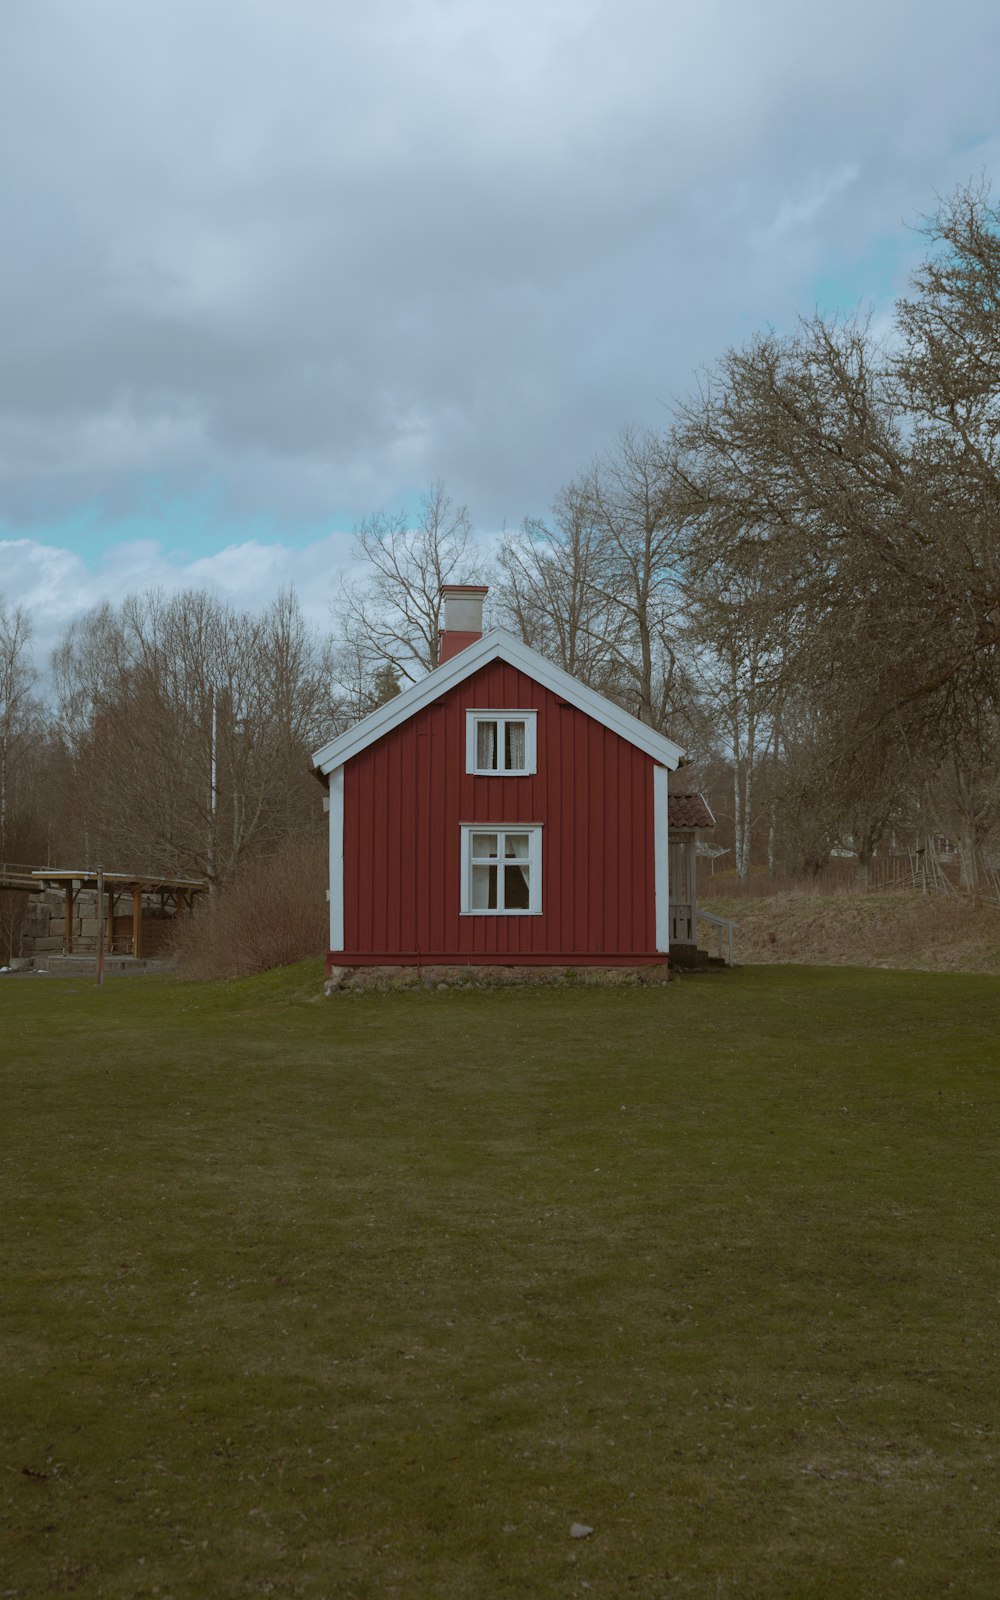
(501, 870)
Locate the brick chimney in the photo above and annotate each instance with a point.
(463, 617)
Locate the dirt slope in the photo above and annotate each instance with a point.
(938, 933)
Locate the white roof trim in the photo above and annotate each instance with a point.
(503, 646)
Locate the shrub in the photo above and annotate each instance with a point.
(273, 912)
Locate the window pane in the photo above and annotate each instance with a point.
(516, 888)
(486, 746)
(514, 746)
(484, 888)
(484, 844)
(517, 879)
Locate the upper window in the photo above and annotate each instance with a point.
(501, 870)
(500, 743)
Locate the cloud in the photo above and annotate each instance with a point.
(319, 253)
(57, 585)
(800, 212)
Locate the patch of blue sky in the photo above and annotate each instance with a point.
(873, 278)
(981, 142)
(186, 527)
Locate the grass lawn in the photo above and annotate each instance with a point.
(376, 1296)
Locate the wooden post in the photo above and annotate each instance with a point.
(693, 884)
(136, 923)
(100, 926)
(69, 919)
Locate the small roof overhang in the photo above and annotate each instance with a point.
(689, 813)
(498, 645)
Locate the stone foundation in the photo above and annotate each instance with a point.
(357, 980)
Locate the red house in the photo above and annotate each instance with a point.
(498, 811)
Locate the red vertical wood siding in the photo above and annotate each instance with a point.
(406, 797)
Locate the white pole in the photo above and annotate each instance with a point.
(213, 783)
(100, 926)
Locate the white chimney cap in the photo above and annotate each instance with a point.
(463, 607)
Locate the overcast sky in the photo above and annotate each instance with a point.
(267, 265)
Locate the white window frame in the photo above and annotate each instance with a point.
(477, 715)
(534, 832)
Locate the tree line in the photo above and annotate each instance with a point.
(172, 739)
(798, 577)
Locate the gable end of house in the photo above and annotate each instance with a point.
(493, 646)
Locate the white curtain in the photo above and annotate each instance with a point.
(515, 746)
(484, 877)
(486, 746)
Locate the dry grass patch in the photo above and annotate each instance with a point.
(934, 933)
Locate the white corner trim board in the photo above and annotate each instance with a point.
(661, 858)
(337, 859)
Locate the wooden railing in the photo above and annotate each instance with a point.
(17, 875)
(724, 927)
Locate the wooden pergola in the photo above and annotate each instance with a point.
(181, 891)
(15, 876)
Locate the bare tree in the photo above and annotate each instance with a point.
(800, 467)
(393, 615)
(18, 713)
(192, 723)
(962, 795)
(554, 589)
(870, 480)
(600, 587)
(740, 676)
(635, 508)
